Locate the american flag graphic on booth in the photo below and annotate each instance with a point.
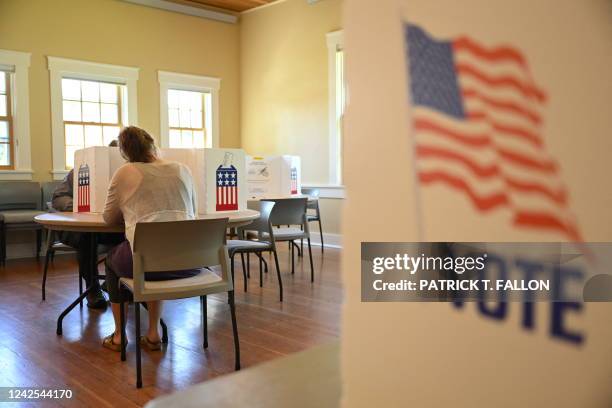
(477, 120)
(83, 193)
(294, 180)
(227, 185)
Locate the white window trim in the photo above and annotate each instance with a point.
(328, 190)
(87, 70)
(185, 82)
(19, 62)
(335, 40)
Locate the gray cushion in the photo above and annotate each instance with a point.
(286, 234)
(238, 244)
(20, 216)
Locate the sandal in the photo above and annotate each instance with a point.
(149, 345)
(110, 344)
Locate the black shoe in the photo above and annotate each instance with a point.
(96, 300)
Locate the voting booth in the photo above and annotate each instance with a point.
(93, 170)
(273, 175)
(218, 176)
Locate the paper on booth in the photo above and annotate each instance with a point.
(93, 170)
(218, 175)
(273, 176)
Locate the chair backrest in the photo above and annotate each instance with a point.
(179, 245)
(262, 224)
(20, 195)
(313, 194)
(289, 211)
(48, 189)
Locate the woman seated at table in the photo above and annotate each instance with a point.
(145, 189)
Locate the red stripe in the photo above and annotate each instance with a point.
(545, 166)
(506, 129)
(558, 196)
(546, 221)
(504, 105)
(476, 140)
(491, 55)
(482, 203)
(501, 81)
(476, 168)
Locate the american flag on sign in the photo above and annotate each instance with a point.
(83, 193)
(477, 117)
(227, 188)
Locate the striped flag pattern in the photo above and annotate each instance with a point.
(83, 193)
(477, 119)
(227, 188)
(294, 180)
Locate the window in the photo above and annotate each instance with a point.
(337, 104)
(186, 118)
(6, 122)
(189, 110)
(90, 103)
(92, 114)
(15, 160)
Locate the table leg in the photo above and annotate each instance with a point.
(92, 257)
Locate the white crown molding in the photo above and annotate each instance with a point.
(185, 9)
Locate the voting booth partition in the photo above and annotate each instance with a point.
(93, 170)
(273, 176)
(218, 177)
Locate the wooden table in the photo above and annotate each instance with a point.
(303, 380)
(93, 223)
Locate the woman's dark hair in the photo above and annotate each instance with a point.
(137, 145)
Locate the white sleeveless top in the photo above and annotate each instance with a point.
(147, 192)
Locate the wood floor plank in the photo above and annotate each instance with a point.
(32, 355)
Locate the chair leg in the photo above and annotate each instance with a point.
(235, 330)
(204, 305)
(244, 267)
(38, 242)
(232, 271)
(122, 324)
(311, 266)
(164, 338)
(280, 281)
(296, 246)
(302, 245)
(248, 265)
(260, 271)
(292, 258)
(44, 279)
(80, 289)
(246, 273)
(137, 341)
(321, 232)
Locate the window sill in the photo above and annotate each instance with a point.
(328, 190)
(18, 174)
(59, 174)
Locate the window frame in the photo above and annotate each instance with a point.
(17, 64)
(194, 83)
(335, 43)
(60, 68)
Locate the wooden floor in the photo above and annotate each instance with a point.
(31, 354)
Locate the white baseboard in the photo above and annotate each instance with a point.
(330, 240)
(21, 250)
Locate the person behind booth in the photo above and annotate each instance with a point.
(146, 189)
(62, 200)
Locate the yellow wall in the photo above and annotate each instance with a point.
(284, 93)
(284, 78)
(115, 32)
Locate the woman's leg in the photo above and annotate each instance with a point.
(154, 311)
(115, 296)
